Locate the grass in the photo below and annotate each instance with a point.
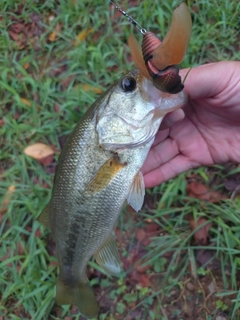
(41, 98)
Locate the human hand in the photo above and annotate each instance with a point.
(210, 131)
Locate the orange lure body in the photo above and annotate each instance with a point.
(158, 60)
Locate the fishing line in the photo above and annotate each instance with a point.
(130, 19)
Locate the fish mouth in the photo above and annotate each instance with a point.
(147, 88)
(163, 101)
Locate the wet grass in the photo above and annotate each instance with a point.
(42, 97)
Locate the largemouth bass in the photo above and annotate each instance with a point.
(98, 169)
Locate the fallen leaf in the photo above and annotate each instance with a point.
(129, 209)
(151, 227)
(13, 35)
(82, 36)
(38, 233)
(26, 65)
(7, 198)
(26, 102)
(235, 193)
(20, 248)
(16, 115)
(17, 27)
(46, 161)
(232, 184)
(66, 81)
(140, 267)
(204, 256)
(87, 87)
(201, 228)
(212, 287)
(92, 89)
(38, 151)
(142, 278)
(140, 235)
(200, 191)
(157, 280)
(52, 37)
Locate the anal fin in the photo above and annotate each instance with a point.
(137, 192)
(43, 218)
(107, 256)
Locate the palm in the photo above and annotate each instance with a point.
(209, 133)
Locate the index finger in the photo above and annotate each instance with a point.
(209, 79)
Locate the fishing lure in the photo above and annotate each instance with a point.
(158, 60)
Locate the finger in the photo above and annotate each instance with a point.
(160, 136)
(171, 118)
(160, 154)
(168, 171)
(208, 80)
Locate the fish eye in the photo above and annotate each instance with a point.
(128, 84)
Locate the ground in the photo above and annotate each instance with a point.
(181, 252)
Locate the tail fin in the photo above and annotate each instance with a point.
(81, 295)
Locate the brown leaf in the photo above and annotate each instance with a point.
(46, 161)
(129, 209)
(87, 87)
(200, 191)
(66, 81)
(204, 256)
(151, 227)
(140, 235)
(142, 279)
(235, 193)
(52, 37)
(231, 184)
(26, 102)
(13, 35)
(201, 234)
(139, 267)
(38, 151)
(26, 65)
(20, 248)
(157, 280)
(17, 27)
(82, 36)
(38, 233)
(7, 198)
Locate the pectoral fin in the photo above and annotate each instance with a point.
(105, 174)
(43, 218)
(137, 192)
(107, 256)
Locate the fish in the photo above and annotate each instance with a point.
(98, 170)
